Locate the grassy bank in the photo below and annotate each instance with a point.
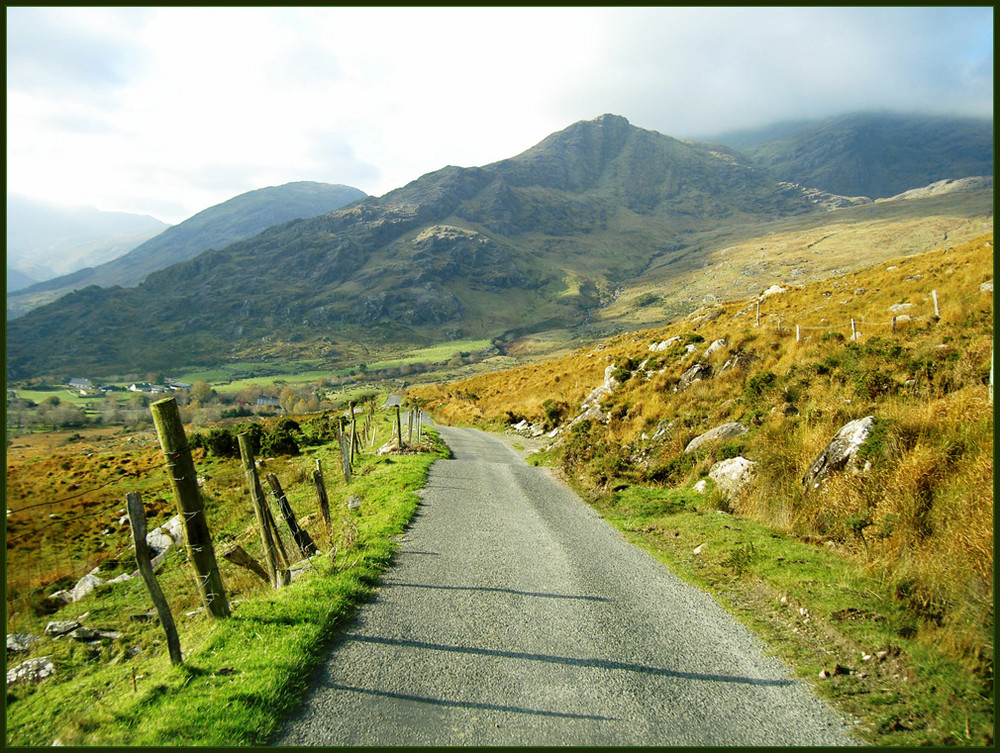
(240, 675)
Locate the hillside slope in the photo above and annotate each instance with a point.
(216, 227)
(536, 241)
(871, 154)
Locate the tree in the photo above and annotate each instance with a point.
(202, 392)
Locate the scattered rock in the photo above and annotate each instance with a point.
(697, 549)
(733, 474)
(18, 642)
(695, 374)
(840, 452)
(986, 287)
(702, 486)
(61, 627)
(353, 502)
(715, 346)
(773, 290)
(898, 307)
(718, 434)
(90, 634)
(32, 670)
(661, 346)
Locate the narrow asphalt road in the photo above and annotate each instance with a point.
(514, 615)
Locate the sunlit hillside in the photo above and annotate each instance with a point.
(793, 367)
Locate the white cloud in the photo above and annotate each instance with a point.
(147, 109)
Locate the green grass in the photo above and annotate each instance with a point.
(242, 675)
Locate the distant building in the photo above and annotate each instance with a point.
(80, 384)
(140, 387)
(268, 402)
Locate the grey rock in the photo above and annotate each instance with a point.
(840, 452)
(715, 346)
(18, 642)
(61, 627)
(718, 434)
(353, 502)
(695, 374)
(986, 287)
(898, 307)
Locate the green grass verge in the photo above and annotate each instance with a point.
(241, 676)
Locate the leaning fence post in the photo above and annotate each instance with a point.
(184, 481)
(137, 519)
(271, 558)
(324, 506)
(301, 537)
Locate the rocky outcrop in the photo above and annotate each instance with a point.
(20, 642)
(160, 540)
(840, 453)
(591, 406)
(732, 475)
(718, 434)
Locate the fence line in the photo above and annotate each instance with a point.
(785, 325)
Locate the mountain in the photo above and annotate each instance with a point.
(216, 227)
(17, 280)
(46, 240)
(870, 154)
(546, 239)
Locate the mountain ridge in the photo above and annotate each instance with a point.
(217, 226)
(537, 241)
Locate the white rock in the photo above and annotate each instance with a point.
(986, 287)
(31, 670)
(840, 452)
(697, 549)
(774, 289)
(701, 486)
(897, 307)
(733, 474)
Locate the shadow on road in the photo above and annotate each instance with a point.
(568, 660)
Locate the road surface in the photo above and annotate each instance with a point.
(514, 615)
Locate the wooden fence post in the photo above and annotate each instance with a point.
(399, 430)
(854, 331)
(184, 481)
(354, 433)
(301, 537)
(937, 311)
(757, 323)
(798, 337)
(238, 556)
(275, 567)
(324, 507)
(893, 330)
(420, 421)
(409, 427)
(137, 519)
(345, 455)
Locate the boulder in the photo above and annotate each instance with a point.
(31, 670)
(664, 344)
(840, 452)
(719, 433)
(85, 586)
(695, 374)
(18, 642)
(986, 287)
(591, 407)
(773, 290)
(715, 346)
(61, 627)
(731, 475)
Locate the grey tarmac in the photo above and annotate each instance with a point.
(514, 615)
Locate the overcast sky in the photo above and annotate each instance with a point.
(169, 111)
